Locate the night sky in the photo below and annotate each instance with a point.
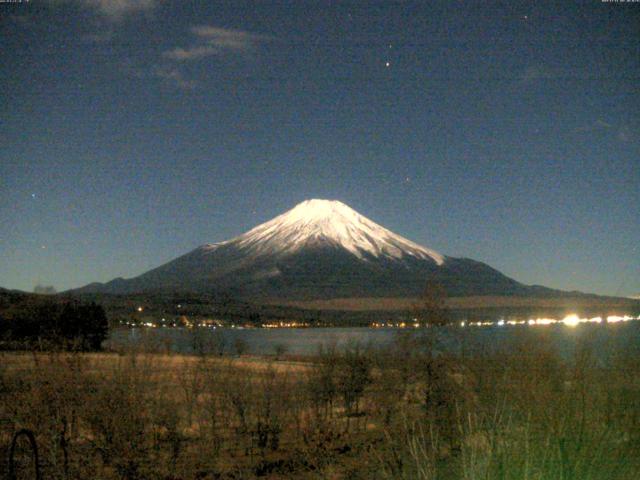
(134, 131)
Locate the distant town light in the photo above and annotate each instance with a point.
(571, 320)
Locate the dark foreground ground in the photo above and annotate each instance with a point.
(514, 412)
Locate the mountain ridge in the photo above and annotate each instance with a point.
(317, 250)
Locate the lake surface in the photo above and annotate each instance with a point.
(605, 338)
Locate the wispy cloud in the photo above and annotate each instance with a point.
(238, 40)
(599, 124)
(623, 132)
(539, 71)
(602, 124)
(210, 40)
(207, 41)
(175, 77)
(99, 36)
(191, 53)
(118, 9)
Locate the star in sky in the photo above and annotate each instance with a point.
(245, 108)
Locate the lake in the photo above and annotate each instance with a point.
(306, 341)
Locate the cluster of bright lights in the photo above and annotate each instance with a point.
(285, 325)
(572, 320)
(414, 324)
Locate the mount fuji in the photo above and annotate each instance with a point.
(320, 249)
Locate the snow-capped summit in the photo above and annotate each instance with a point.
(318, 249)
(315, 221)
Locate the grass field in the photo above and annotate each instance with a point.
(517, 411)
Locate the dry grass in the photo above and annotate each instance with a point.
(519, 411)
(159, 363)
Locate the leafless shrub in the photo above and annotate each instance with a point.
(516, 411)
(352, 376)
(241, 346)
(280, 349)
(321, 382)
(191, 381)
(117, 414)
(271, 410)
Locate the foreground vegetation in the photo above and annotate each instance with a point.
(519, 411)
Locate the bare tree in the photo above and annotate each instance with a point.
(430, 308)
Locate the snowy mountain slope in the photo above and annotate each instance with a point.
(318, 249)
(324, 221)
